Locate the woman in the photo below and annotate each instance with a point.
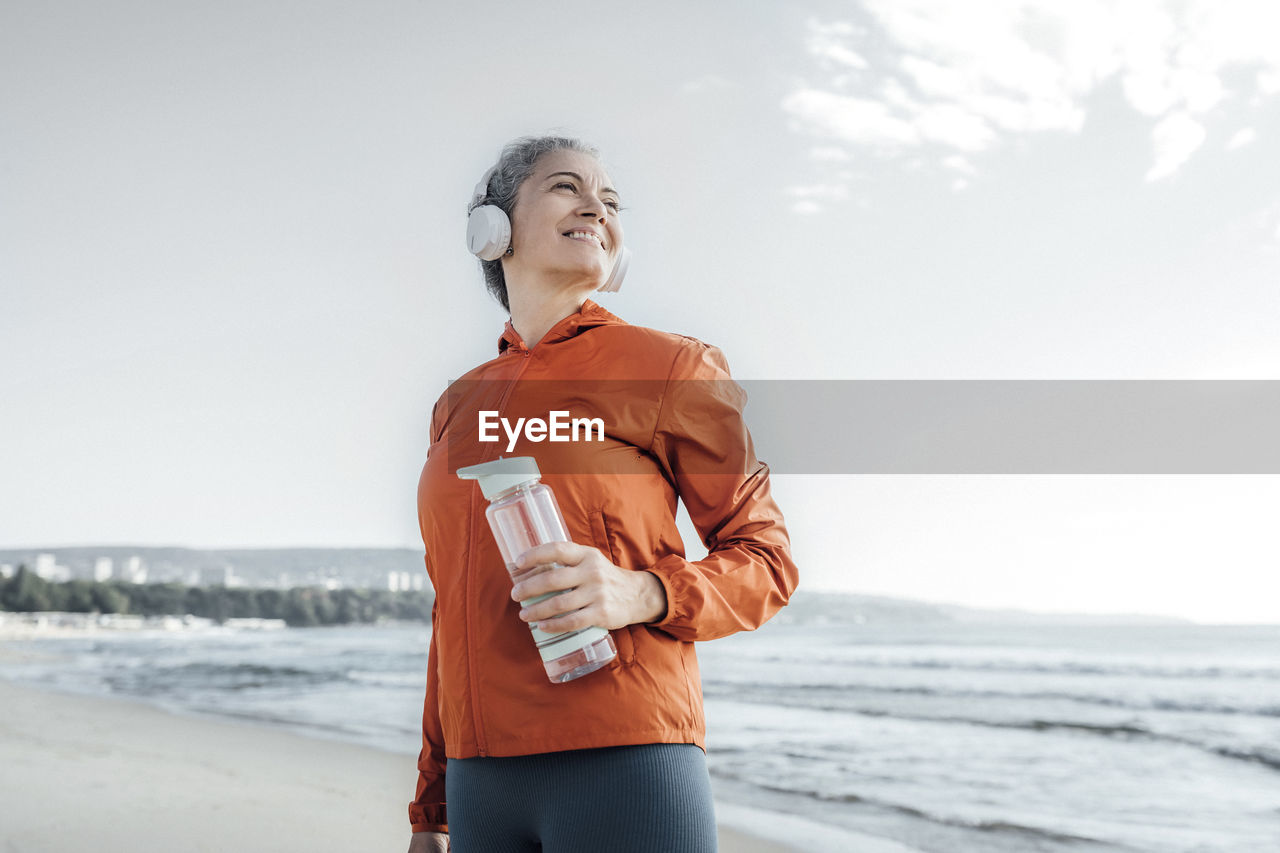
(614, 760)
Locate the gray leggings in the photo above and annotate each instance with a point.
(621, 799)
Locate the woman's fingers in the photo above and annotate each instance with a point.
(565, 553)
(561, 602)
(548, 580)
(567, 611)
(588, 589)
(570, 565)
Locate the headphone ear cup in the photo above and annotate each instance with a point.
(488, 232)
(619, 272)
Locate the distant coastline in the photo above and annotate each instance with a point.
(279, 568)
(401, 569)
(826, 606)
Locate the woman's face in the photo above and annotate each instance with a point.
(565, 226)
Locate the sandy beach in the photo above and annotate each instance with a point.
(119, 776)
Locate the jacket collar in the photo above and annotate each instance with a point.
(588, 316)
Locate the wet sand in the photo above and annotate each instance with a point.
(118, 776)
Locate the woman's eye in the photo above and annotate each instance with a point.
(613, 204)
(565, 184)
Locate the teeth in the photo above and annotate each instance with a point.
(583, 235)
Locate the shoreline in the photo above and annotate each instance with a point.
(114, 773)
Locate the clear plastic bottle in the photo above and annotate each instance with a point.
(523, 513)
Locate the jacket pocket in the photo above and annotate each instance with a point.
(625, 643)
(600, 534)
(622, 637)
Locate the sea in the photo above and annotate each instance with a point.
(897, 738)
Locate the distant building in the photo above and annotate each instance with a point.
(399, 582)
(133, 570)
(102, 569)
(47, 568)
(218, 576)
(6, 570)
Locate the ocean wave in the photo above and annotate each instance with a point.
(383, 678)
(1262, 755)
(1265, 756)
(798, 695)
(1033, 835)
(1129, 669)
(220, 676)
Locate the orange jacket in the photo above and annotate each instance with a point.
(673, 428)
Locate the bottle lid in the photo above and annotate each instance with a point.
(501, 475)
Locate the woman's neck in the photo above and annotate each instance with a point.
(533, 314)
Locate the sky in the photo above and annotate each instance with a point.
(233, 277)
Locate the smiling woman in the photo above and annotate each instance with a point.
(492, 207)
(615, 759)
(566, 233)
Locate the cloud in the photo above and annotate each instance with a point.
(934, 80)
(1175, 138)
(809, 199)
(1268, 82)
(860, 120)
(827, 42)
(968, 77)
(959, 164)
(955, 127)
(1241, 138)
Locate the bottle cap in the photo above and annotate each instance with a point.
(501, 475)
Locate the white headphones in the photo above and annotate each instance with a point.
(489, 234)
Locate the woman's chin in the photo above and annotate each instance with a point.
(584, 279)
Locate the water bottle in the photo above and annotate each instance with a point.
(523, 513)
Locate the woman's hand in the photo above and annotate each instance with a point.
(429, 842)
(596, 592)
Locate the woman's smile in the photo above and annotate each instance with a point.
(586, 235)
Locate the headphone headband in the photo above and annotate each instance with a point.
(482, 188)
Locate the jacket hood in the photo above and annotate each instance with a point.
(588, 316)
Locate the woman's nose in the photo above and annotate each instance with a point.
(592, 206)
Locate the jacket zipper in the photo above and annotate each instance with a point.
(471, 657)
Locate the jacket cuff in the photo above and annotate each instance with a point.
(663, 570)
(430, 818)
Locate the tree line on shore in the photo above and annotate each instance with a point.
(298, 607)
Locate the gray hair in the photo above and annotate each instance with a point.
(515, 165)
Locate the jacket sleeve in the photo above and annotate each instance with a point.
(427, 811)
(704, 448)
